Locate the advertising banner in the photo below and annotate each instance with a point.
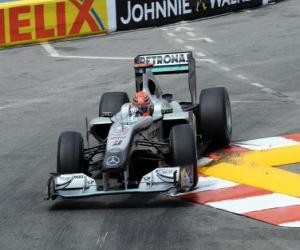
(35, 21)
(132, 14)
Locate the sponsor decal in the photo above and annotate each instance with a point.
(215, 7)
(140, 13)
(122, 128)
(223, 3)
(164, 59)
(133, 14)
(112, 161)
(29, 22)
(117, 138)
(117, 142)
(78, 176)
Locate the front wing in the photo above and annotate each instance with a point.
(161, 180)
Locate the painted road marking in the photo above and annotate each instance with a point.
(249, 173)
(248, 201)
(272, 158)
(253, 164)
(179, 40)
(242, 77)
(191, 34)
(188, 47)
(251, 204)
(202, 39)
(171, 34)
(212, 61)
(183, 28)
(227, 69)
(278, 215)
(212, 183)
(227, 193)
(50, 49)
(54, 53)
(291, 224)
(267, 143)
(258, 85)
(200, 54)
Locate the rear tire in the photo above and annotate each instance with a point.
(183, 148)
(111, 103)
(70, 158)
(215, 115)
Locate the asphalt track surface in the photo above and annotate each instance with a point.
(255, 54)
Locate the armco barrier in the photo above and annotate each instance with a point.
(29, 21)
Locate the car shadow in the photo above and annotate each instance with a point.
(118, 202)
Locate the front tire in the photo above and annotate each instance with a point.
(215, 116)
(70, 158)
(183, 149)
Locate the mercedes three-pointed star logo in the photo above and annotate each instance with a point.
(112, 161)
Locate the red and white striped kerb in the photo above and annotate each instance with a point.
(269, 207)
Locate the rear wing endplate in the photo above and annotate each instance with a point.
(168, 63)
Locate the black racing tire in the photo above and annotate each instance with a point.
(183, 148)
(70, 158)
(215, 116)
(111, 102)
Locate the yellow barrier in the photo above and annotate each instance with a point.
(31, 21)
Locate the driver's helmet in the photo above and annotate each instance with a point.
(142, 101)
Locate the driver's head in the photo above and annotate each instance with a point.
(143, 103)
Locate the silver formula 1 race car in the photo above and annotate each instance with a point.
(138, 152)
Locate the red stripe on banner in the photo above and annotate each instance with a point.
(230, 193)
(277, 215)
(295, 137)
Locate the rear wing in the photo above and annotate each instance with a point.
(168, 63)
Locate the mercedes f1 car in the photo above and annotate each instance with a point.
(140, 152)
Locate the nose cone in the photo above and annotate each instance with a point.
(114, 161)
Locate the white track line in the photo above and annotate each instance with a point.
(164, 28)
(178, 40)
(258, 85)
(211, 183)
(212, 61)
(50, 49)
(202, 39)
(170, 34)
(183, 28)
(54, 53)
(191, 34)
(291, 224)
(242, 77)
(200, 54)
(267, 143)
(256, 203)
(224, 68)
(188, 47)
